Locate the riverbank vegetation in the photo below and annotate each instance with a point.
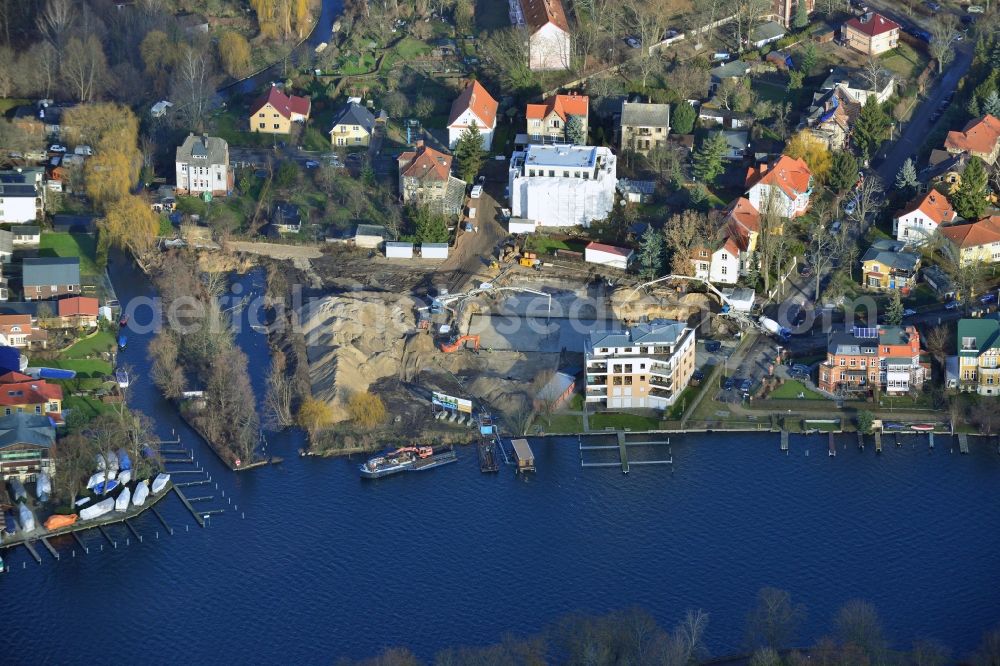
(855, 636)
(196, 351)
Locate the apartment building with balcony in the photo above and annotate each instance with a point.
(646, 366)
(862, 360)
(978, 342)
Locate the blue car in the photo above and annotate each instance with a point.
(712, 345)
(746, 385)
(990, 297)
(729, 384)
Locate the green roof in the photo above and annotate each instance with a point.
(976, 336)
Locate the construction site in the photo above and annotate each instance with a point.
(401, 333)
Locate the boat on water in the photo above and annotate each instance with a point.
(122, 341)
(123, 321)
(406, 459)
(121, 376)
(922, 427)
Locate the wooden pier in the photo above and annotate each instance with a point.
(76, 535)
(48, 546)
(784, 440)
(157, 514)
(622, 451)
(833, 446)
(861, 441)
(34, 553)
(878, 442)
(184, 500)
(963, 442)
(931, 438)
(487, 450)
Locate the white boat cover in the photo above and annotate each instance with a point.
(111, 458)
(82, 501)
(17, 489)
(43, 487)
(26, 518)
(98, 510)
(141, 493)
(125, 476)
(121, 504)
(98, 477)
(160, 482)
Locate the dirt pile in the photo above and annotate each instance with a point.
(628, 304)
(353, 340)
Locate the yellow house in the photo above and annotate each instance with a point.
(978, 241)
(978, 342)
(275, 112)
(887, 265)
(353, 127)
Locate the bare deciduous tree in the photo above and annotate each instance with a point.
(943, 33)
(84, 67)
(193, 85)
(869, 199)
(774, 620)
(55, 21)
(858, 624)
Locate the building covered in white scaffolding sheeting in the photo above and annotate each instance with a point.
(562, 185)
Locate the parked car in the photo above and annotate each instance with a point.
(909, 312)
(481, 180)
(933, 6)
(311, 164)
(951, 305)
(477, 191)
(56, 148)
(633, 42)
(746, 385)
(989, 297)
(974, 9)
(805, 270)
(729, 384)
(712, 345)
(800, 368)
(851, 206)
(697, 377)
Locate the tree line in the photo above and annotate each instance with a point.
(634, 638)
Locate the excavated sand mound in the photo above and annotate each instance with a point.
(627, 304)
(353, 340)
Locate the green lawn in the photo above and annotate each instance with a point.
(546, 245)
(790, 391)
(905, 61)
(71, 245)
(232, 126)
(409, 48)
(770, 91)
(560, 423)
(85, 367)
(90, 407)
(102, 341)
(622, 421)
(315, 139)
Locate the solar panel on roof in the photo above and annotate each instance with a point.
(861, 332)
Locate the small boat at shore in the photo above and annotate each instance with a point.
(17, 490)
(160, 482)
(121, 504)
(105, 487)
(26, 518)
(922, 427)
(43, 487)
(121, 376)
(10, 525)
(98, 510)
(123, 321)
(406, 459)
(141, 493)
(122, 341)
(125, 477)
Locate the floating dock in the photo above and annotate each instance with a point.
(184, 500)
(524, 455)
(963, 442)
(621, 446)
(833, 446)
(489, 460)
(784, 440)
(878, 442)
(622, 451)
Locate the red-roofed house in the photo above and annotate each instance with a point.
(548, 32)
(872, 33)
(729, 254)
(425, 178)
(547, 122)
(978, 241)
(473, 106)
(21, 393)
(608, 255)
(16, 331)
(788, 180)
(78, 311)
(918, 221)
(275, 112)
(980, 137)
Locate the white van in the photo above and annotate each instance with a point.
(84, 150)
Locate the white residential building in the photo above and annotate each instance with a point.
(22, 195)
(562, 185)
(608, 255)
(203, 166)
(859, 86)
(721, 265)
(788, 181)
(920, 219)
(646, 366)
(549, 45)
(475, 106)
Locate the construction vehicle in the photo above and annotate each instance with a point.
(527, 263)
(459, 342)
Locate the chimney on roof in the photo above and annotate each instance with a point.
(866, 17)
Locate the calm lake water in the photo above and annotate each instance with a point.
(325, 564)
